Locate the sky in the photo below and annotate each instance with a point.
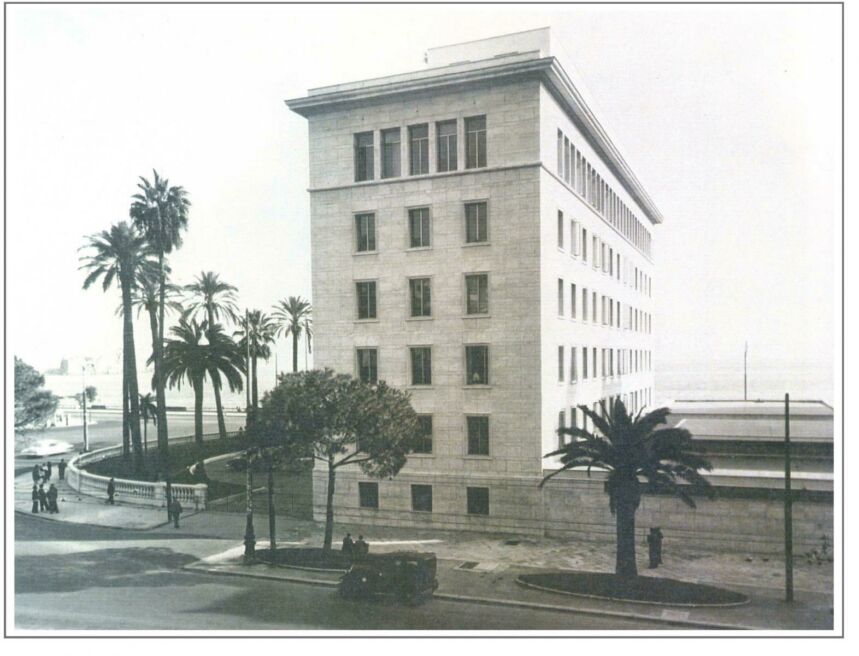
(729, 115)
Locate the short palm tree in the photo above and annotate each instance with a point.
(256, 333)
(290, 314)
(160, 212)
(148, 411)
(121, 254)
(216, 300)
(630, 449)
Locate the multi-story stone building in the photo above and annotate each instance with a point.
(478, 240)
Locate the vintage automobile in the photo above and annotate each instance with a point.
(46, 447)
(405, 575)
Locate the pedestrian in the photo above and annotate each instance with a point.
(43, 499)
(348, 545)
(361, 547)
(37, 473)
(654, 547)
(61, 469)
(52, 499)
(35, 498)
(111, 490)
(49, 470)
(175, 511)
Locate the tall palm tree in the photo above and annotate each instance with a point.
(290, 314)
(122, 254)
(146, 299)
(148, 410)
(160, 211)
(629, 449)
(308, 337)
(188, 357)
(216, 300)
(256, 333)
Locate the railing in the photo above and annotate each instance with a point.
(146, 493)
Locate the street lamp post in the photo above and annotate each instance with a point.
(83, 401)
(250, 538)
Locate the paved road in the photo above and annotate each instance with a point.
(79, 577)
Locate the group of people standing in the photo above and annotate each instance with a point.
(46, 500)
(355, 548)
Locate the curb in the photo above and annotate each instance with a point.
(24, 513)
(691, 624)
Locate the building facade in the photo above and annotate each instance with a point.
(478, 240)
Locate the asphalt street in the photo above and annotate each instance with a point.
(79, 577)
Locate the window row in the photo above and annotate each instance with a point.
(477, 498)
(476, 434)
(602, 255)
(612, 362)
(420, 297)
(600, 308)
(417, 148)
(475, 227)
(575, 170)
(420, 365)
(633, 401)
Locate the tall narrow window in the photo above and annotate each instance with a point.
(419, 227)
(418, 149)
(391, 153)
(574, 237)
(477, 293)
(476, 223)
(366, 292)
(574, 370)
(446, 145)
(478, 435)
(419, 292)
(560, 229)
(561, 358)
(365, 232)
(584, 304)
(594, 318)
(424, 442)
(475, 142)
(573, 300)
(594, 362)
(560, 154)
(367, 365)
(363, 156)
(560, 297)
(585, 363)
(477, 365)
(421, 365)
(566, 160)
(584, 245)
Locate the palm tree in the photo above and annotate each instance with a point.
(161, 213)
(122, 254)
(308, 336)
(146, 298)
(148, 410)
(290, 314)
(216, 300)
(256, 332)
(629, 448)
(188, 358)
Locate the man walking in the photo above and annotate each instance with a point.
(35, 498)
(348, 545)
(61, 468)
(43, 499)
(49, 470)
(52, 500)
(37, 474)
(175, 511)
(111, 490)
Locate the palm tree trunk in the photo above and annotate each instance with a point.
(254, 390)
(126, 437)
(625, 566)
(219, 408)
(329, 507)
(294, 351)
(158, 360)
(198, 412)
(131, 376)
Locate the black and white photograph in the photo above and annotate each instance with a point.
(424, 320)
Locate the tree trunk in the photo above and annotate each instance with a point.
(126, 437)
(329, 507)
(294, 351)
(158, 359)
(131, 364)
(198, 412)
(626, 505)
(219, 408)
(272, 542)
(254, 390)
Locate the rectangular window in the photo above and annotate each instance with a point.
(560, 154)
(476, 223)
(418, 149)
(573, 300)
(475, 142)
(424, 442)
(585, 363)
(560, 229)
(368, 495)
(594, 362)
(584, 245)
(419, 293)
(366, 299)
(560, 297)
(365, 231)
(391, 153)
(566, 160)
(363, 156)
(367, 365)
(574, 237)
(477, 365)
(477, 293)
(478, 435)
(561, 378)
(422, 498)
(595, 252)
(574, 373)
(421, 365)
(478, 500)
(594, 307)
(584, 304)
(419, 228)
(446, 145)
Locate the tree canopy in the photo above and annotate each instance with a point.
(33, 404)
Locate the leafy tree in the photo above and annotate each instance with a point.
(160, 212)
(146, 299)
(258, 329)
(291, 315)
(629, 449)
(90, 392)
(188, 358)
(338, 421)
(33, 405)
(215, 299)
(122, 255)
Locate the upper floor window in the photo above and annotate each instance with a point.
(366, 292)
(560, 297)
(560, 229)
(478, 435)
(368, 495)
(560, 154)
(419, 228)
(423, 444)
(446, 145)
(477, 365)
(475, 142)
(421, 365)
(574, 370)
(391, 153)
(422, 498)
(476, 223)
(363, 156)
(418, 149)
(561, 364)
(477, 293)
(566, 160)
(365, 231)
(419, 291)
(477, 500)
(367, 365)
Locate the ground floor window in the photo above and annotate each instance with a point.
(422, 498)
(368, 495)
(478, 500)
